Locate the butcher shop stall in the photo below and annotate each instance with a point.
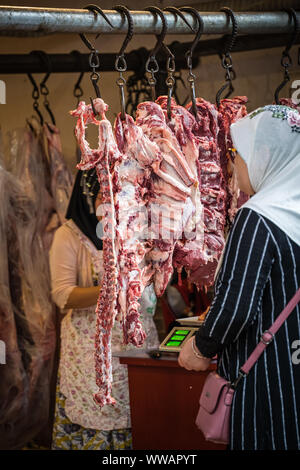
(118, 190)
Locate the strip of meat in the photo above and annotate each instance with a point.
(212, 193)
(103, 159)
(230, 111)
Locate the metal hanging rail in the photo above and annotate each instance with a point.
(58, 20)
(136, 59)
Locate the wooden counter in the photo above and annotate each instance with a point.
(164, 400)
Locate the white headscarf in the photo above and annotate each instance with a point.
(268, 140)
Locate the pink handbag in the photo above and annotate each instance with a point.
(216, 398)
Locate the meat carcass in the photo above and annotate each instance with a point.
(103, 159)
(220, 194)
(173, 204)
(189, 249)
(27, 318)
(60, 176)
(123, 165)
(290, 103)
(132, 179)
(212, 191)
(230, 111)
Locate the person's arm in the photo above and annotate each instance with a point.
(245, 269)
(83, 297)
(63, 268)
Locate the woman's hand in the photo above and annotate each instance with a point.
(188, 359)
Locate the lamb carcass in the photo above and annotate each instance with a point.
(174, 185)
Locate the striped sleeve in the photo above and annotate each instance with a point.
(246, 266)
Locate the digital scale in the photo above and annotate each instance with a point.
(177, 337)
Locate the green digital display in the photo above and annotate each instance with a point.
(177, 337)
(182, 332)
(173, 343)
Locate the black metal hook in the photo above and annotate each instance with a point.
(170, 81)
(35, 95)
(286, 60)
(94, 9)
(177, 11)
(77, 90)
(226, 58)
(159, 44)
(189, 54)
(120, 63)
(43, 87)
(94, 57)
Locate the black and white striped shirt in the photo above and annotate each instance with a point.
(260, 273)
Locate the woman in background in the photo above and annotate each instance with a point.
(76, 270)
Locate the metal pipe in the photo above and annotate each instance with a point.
(135, 60)
(59, 20)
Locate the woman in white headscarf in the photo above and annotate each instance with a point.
(260, 273)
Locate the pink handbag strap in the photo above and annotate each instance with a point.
(267, 337)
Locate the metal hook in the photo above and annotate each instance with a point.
(226, 58)
(35, 95)
(94, 9)
(43, 87)
(78, 91)
(170, 81)
(189, 54)
(159, 44)
(94, 57)
(177, 11)
(286, 60)
(122, 67)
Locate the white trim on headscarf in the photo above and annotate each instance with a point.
(268, 140)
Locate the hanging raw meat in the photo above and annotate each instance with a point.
(132, 187)
(175, 205)
(188, 251)
(220, 194)
(122, 167)
(212, 191)
(230, 111)
(290, 103)
(144, 178)
(103, 159)
(27, 315)
(61, 179)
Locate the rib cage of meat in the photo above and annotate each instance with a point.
(131, 178)
(174, 202)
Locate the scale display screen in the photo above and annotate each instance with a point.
(176, 338)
